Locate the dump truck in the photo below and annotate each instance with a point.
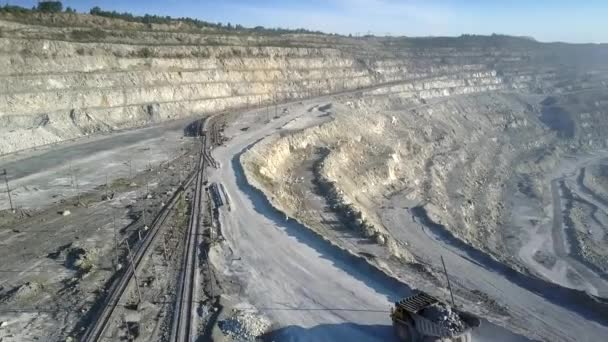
(422, 317)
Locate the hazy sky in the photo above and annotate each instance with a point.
(546, 20)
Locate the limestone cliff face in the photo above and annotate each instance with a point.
(67, 75)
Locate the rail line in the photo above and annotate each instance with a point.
(211, 138)
(184, 322)
(96, 329)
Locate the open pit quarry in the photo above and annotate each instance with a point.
(166, 180)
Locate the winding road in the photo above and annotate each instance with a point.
(550, 234)
(293, 276)
(310, 289)
(313, 290)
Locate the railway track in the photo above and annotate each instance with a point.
(184, 321)
(184, 325)
(211, 134)
(95, 330)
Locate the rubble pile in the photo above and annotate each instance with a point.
(244, 326)
(444, 316)
(27, 290)
(81, 259)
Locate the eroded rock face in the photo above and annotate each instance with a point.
(457, 155)
(448, 149)
(105, 74)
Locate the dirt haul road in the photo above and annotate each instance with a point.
(290, 275)
(42, 177)
(310, 289)
(544, 310)
(551, 231)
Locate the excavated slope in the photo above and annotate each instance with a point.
(68, 75)
(458, 144)
(428, 116)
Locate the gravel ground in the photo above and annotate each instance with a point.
(307, 287)
(56, 266)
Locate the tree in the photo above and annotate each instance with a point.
(14, 9)
(50, 6)
(70, 10)
(95, 10)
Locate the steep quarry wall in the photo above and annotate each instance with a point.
(70, 75)
(456, 144)
(59, 84)
(56, 95)
(453, 154)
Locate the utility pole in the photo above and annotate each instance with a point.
(76, 185)
(448, 278)
(115, 243)
(267, 111)
(165, 246)
(134, 271)
(144, 211)
(74, 181)
(71, 173)
(8, 190)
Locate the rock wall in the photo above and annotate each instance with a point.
(453, 152)
(69, 75)
(455, 143)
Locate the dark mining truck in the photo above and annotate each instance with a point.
(422, 317)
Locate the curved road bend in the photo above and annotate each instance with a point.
(310, 289)
(535, 307)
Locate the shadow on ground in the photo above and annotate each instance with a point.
(357, 267)
(332, 332)
(591, 307)
(487, 332)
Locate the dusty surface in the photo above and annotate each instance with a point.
(286, 272)
(488, 151)
(373, 168)
(57, 266)
(45, 177)
(290, 274)
(553, 247)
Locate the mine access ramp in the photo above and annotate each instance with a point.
(422, 317)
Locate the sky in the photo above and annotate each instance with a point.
(583, 21)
